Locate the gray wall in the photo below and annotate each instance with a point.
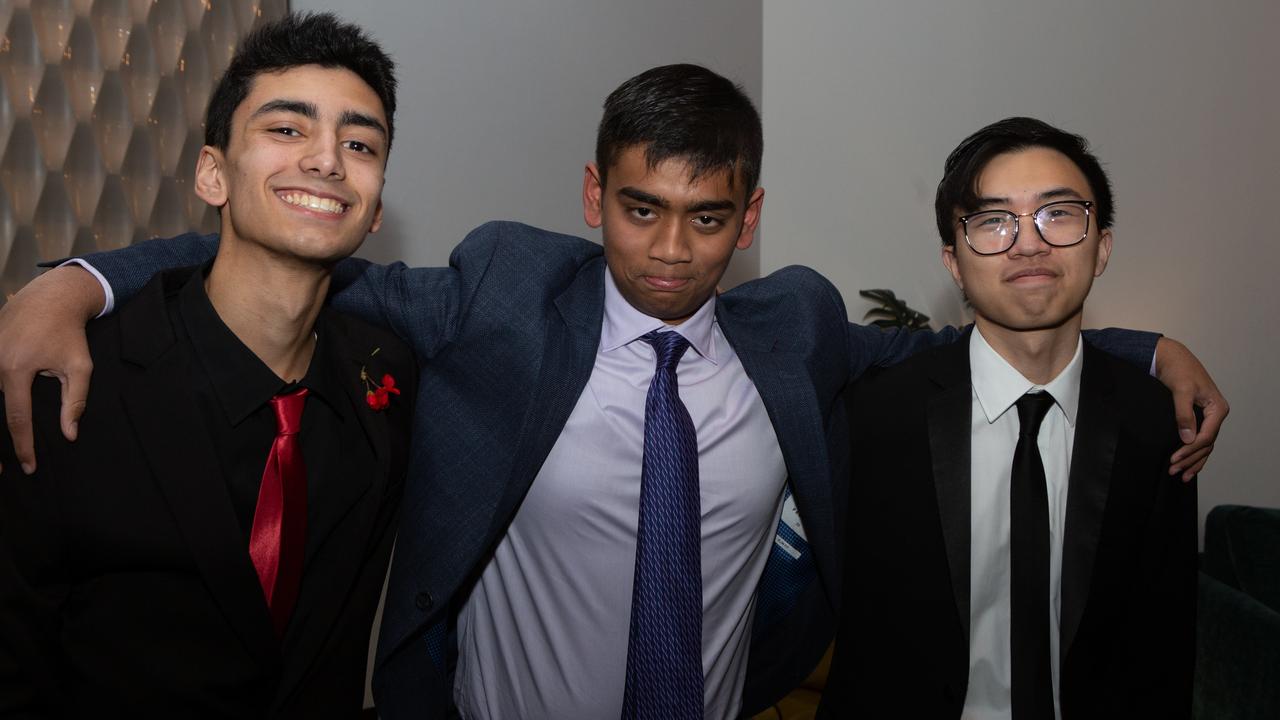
(499, 101)
(863, 101)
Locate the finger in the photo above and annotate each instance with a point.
(75, 392)
(1185, 414)
(1194, 470)
(17, 414)
(1214, 413)
(1191, 464)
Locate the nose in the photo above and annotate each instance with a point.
(323, 157)
(1028, 241)
(669, 244)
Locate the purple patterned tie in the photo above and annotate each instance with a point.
(664, 650)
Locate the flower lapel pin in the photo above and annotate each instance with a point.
(377, 396)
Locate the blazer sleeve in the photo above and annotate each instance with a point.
(1168, 635)
(128, 269)
(423, 306)
(882, 347)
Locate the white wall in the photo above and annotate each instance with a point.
(863, 101)
(499, 101)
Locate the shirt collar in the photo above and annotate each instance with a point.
(241, 382)
(997, 385)
(623, 323)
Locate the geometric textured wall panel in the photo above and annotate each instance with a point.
(102, 118)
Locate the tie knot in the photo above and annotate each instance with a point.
(669, 347)
(288, 408)
(1031, 411)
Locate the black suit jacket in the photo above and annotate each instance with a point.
(1129, 557)
(125, 583)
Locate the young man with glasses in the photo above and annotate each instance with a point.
(1016, 547)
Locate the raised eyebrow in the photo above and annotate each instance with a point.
(297, 107)
(359, 119)
(644, 197)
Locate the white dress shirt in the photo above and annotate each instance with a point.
(543, 634)
(996, 387)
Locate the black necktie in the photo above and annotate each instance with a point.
(1029, 540)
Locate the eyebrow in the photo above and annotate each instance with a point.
(309, 111)
(351, 117)
(1052, 194)
(650, 199)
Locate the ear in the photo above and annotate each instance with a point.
(953, 264)
(211, 184)
(1104, 253)
(751, 219)
(592, 196)
(377, 217)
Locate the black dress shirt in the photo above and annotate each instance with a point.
(234, 387)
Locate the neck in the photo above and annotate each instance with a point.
(270, 303)
(1039, 355)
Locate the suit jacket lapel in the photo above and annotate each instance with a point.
(948, 418)
(570, 340)
(787, 391)
(171, 432)
(328, 577)
(345, 486)
(1092, 460)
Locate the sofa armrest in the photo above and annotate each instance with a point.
(1237, 655)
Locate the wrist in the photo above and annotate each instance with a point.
(75, 288)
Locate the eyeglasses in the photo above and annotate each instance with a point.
(1060, 224)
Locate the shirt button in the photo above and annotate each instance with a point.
(423, 601)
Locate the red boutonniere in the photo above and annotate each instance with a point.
(378, 397)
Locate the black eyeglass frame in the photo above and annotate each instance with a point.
(1088, 214)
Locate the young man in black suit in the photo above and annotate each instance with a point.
(215, 544)
(1017, 547)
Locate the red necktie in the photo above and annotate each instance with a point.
(278, 539)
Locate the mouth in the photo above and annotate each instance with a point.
(666, 284)
(1031, 275)
(315, 203)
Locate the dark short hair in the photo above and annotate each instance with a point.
(958, 187)
(299, 39)
(686, 112)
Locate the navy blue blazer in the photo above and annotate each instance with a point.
(507, 337)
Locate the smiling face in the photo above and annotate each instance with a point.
(302, 174)
(667, 238)
(1033, 285)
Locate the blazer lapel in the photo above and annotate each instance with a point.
(571, 337)
(782, 379)
(329, 574)
(349, 483)
(1092, 460)
(948, 418)
(173, 439)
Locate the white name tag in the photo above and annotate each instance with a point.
(791, 516)
(787, 547)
